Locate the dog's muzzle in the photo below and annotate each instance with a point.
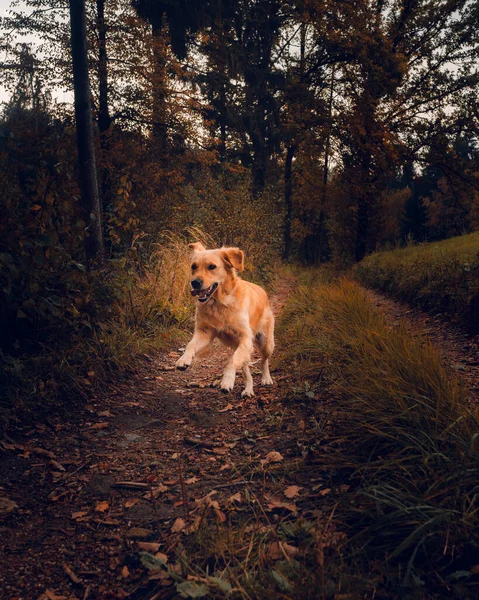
(204, 295)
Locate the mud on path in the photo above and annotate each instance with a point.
(132, 471)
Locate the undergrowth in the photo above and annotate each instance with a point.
(130, 308)
(440, 276)
(406, 438)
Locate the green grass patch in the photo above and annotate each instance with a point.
(406, 438)
(440, 276)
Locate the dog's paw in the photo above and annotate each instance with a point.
(183, 363)
(227, 383)
(247, 394)
(267, 380)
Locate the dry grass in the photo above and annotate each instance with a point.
(406, 430)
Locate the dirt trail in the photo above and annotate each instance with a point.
(79, 519)
(135, 465)
(460, 350)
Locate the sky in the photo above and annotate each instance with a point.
(60, 95)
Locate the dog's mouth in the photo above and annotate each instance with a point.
(204, 295)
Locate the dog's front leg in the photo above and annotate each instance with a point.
(241, 358)
(200, 340)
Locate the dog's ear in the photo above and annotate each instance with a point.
(196, 247)
(234, 257)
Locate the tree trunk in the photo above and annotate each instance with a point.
(104, 119)
(288, 201)
(90, 200)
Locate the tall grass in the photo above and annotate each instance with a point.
(407, 433)
(440, 276)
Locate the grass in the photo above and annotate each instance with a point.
(440, 276)
(406, 434)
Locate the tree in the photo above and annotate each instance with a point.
(94, 246)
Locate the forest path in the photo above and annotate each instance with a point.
(132, 469)
(459, 350)
(150, 462)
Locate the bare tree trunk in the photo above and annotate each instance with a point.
(104, 119)
(288, 200)
(94, 247)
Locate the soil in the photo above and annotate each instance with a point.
(139, 465)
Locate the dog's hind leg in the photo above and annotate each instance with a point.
(248, 390)
(240, 359)
(266, 348)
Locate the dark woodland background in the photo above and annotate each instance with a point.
(306, 131)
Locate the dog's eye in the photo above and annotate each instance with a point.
(211, 267)
(194, 266)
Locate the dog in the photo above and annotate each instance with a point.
(235, 311)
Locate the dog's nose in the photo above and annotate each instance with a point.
(196, 284)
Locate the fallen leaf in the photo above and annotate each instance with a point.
(125, 572)
(191, 480)
(138, 533)
(292, 491)
(149, 546)
(155, 492)
(56, 465)
(206, 500)
(277, 503)
(104, 413)
(235, 498)
(43, 452)
(102, 506)
(131, 502)
(161, 556)
(324, 492)
(178, 525)
(280, 550)
(226, 408)
(79, 514)
(220, 515)
(100, 426)
(7, 506)
(272, 457)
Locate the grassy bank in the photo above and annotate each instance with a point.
(406, 439)
(440, 276)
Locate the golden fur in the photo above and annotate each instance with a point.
(236, 312)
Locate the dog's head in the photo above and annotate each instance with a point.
(213, 271)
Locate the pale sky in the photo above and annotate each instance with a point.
(57, 94)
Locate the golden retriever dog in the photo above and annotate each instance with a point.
(234, 311)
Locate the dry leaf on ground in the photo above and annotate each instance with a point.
(280, 550)
(292, 491)
(102, 506)
(272, 457)
(178, 525)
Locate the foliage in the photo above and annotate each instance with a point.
(127, 310)
(405, 431)
(440, 276)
